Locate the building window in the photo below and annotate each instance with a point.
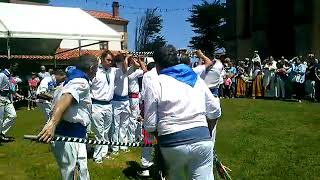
(122, 45)
(104, 45)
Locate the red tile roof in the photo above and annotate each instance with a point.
(60, 57)
(106, 16)
(75, 53)
(28, 57)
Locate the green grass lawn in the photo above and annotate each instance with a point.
(257, 139)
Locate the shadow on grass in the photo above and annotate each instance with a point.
(90, 151)
(133, 167)
(8, 140)
(131, 171)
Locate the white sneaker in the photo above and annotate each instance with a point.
(126, 150)
(116, 153)
(98, 161)
(143, 173)
(108, 157)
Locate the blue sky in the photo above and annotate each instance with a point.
(175, 28)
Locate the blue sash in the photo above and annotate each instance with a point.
(184, 137)
(120, 98)
(96, 101)
(65, 128)
(182, 73)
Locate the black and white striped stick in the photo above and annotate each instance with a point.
(141, 53)
(4, 103)
(86, 141)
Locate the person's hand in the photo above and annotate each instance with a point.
(136, 62)
(141, 58)
(140, 118)
(47, 133)
(199, 53)
(19, 97)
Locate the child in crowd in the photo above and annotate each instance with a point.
(33, 85)
(227, 86)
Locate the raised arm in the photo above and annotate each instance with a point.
(142, 64)
(204, 59)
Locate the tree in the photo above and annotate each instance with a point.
(208, 21)
(148, 36)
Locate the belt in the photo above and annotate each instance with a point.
(96, 101)
(65, 128)
(134, 95)
(120, 98)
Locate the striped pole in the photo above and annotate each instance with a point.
(144, 53)
(86, 141)
(222, 170)
(5, 103)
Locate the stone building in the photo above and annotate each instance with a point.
(278, 28)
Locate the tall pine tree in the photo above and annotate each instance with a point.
(208, 21)
(148, 36)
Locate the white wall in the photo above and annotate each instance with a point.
(115, 45)
(119, 28)
(69, 44)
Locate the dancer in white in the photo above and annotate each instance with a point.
(71, 114)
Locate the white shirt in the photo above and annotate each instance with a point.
(44, 85)
(121, 83)
(102, 87)
(4, 82)
(213, 75)
(148, 78)
(222, 75)
(172, 106)
(200, 70)
(256, 58)
(80, 110)
(133, 80)
(43, 75)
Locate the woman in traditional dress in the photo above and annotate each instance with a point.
(257, 85)
(241, 81)
(269, 79)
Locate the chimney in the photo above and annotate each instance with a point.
(115, 9)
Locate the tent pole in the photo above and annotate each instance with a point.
(8, 48)
(78, 47)
(55, 62)
(79, 41)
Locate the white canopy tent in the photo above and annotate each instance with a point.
(43, 27)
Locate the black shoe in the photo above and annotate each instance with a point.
(3, 138)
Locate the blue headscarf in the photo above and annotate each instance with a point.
(73, 72)
(182, 73)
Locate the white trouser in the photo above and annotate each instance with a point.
(45, 107)
(121, 113)
(214, 132)
(146, 157)
(191, 161)
(146, 154)
(138, 132)
(101, 124)
(68, 155)
(7, 116)
(133, 123)
(281, 87)
(310, 88)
